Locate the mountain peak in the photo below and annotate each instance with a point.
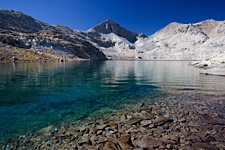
(110, 26)
(110, 21)
(107, 26)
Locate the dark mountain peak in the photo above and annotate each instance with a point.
(110, 21)
(107, 26)
(142, 35)
(110, 26)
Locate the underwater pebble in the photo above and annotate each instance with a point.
(165, 124)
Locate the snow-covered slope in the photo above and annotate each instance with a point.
(203, 40)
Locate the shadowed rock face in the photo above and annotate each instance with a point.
(109, 26)
(17, 21)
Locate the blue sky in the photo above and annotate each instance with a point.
(145, 16)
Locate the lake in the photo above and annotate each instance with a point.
(36, 95)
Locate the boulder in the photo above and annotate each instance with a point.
(102, 126)
(125, 142)
(110, 146)
(147, 142)
(145, 122)
(201, 145)
(161, 120)
(212, 120)
(133, 121)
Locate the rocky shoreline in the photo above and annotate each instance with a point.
(24, 55)
(210, 67)
(177, 121)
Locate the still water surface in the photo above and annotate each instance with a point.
(35, 95)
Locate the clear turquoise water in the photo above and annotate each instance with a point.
(35, 95)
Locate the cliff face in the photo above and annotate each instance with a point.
(25, 38)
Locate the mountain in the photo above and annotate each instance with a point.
(109, 26)
(113, 40)
(24, 38)
(176, 41)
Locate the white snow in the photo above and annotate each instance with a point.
(122, 48)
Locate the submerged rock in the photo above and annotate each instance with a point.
(212, 120)
(125, 142)
(145, 122)
(102, 126)
(161, 120)
(147, 142)
(109, 133)
(133, 121)
(110, 146)
(46, 131)
(201, 145)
